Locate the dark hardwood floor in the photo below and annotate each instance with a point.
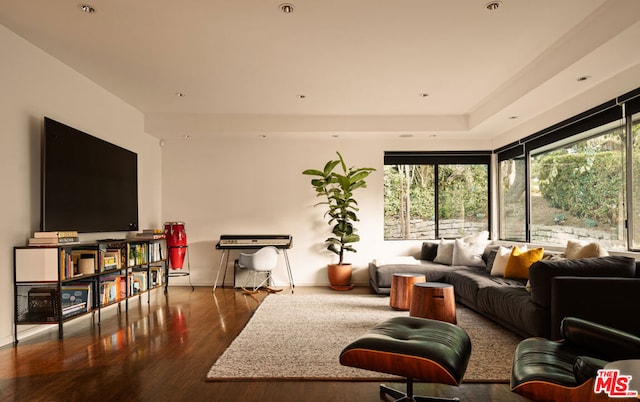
(162, 350)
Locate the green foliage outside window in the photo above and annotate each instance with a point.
(585, 180)
(463, 191)
(587, 186)
(409, 193)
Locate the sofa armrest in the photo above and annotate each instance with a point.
(542, 272)
(614, 302)
(601, 341)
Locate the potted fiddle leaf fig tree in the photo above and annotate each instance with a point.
(336, 187)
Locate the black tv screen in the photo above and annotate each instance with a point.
(88, 184)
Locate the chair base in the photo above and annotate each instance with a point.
(265, 288)
(409, 396)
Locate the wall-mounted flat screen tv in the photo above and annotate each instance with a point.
(88, 184)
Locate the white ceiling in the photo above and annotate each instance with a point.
(362, 65)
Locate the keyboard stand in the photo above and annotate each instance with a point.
(246, 242)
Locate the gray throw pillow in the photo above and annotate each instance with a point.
(491, 257)
(429, 251)
(445, 252)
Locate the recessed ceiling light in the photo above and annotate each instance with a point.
(301, 96)
(513, 117)
(187, 136)
(492, 6)
(424, 94)
(87, 8)
(286, 8)
(583, 78)
(262, 136)
(335, 135)
(180, 94)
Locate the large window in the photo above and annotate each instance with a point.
(577, 189)
(431, 196)
(635, 182)
(576, 180)
(512, 191)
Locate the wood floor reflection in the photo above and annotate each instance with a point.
(162, 350)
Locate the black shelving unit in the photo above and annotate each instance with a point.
(49, 287)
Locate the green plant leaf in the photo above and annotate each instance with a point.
(352, 238)
(329, 166)
(349, 248)
(358, 176)
(334, 249)
(317, 182)
(313, 172)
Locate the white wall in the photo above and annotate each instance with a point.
(257, 187)
(34, 85)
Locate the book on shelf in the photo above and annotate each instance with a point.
(137, 254)
(117, 254)
(111, 290)
(66, 265)
(76, 298)
(56, 234)
(138, 282)
(156, 252)
(52, 241)
(110, 250)
(156, 276)
(153, 231)
(75, 309)
(110, 260)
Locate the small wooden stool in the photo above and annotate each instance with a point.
(401, 289)
(433, 300)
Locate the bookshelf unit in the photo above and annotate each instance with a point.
(55, 284)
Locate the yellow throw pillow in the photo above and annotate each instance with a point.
(519, 262)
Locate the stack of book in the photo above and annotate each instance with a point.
(111, 260)
(54, 238)
(76, 299)
(150, 234)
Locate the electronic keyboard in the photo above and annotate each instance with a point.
(254, 241)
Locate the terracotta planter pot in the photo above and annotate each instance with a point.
(340, 276)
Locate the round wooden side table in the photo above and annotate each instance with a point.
(433, 300)
(401, 288)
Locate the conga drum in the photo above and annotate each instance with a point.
(176, 243)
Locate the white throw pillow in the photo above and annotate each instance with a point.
(582, 249)
(445, 252)
(477, 238)
(468, 254)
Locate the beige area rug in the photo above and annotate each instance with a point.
(300, 337)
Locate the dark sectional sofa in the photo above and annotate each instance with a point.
(604, 289)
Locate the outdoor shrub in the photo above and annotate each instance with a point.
(586, 185)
